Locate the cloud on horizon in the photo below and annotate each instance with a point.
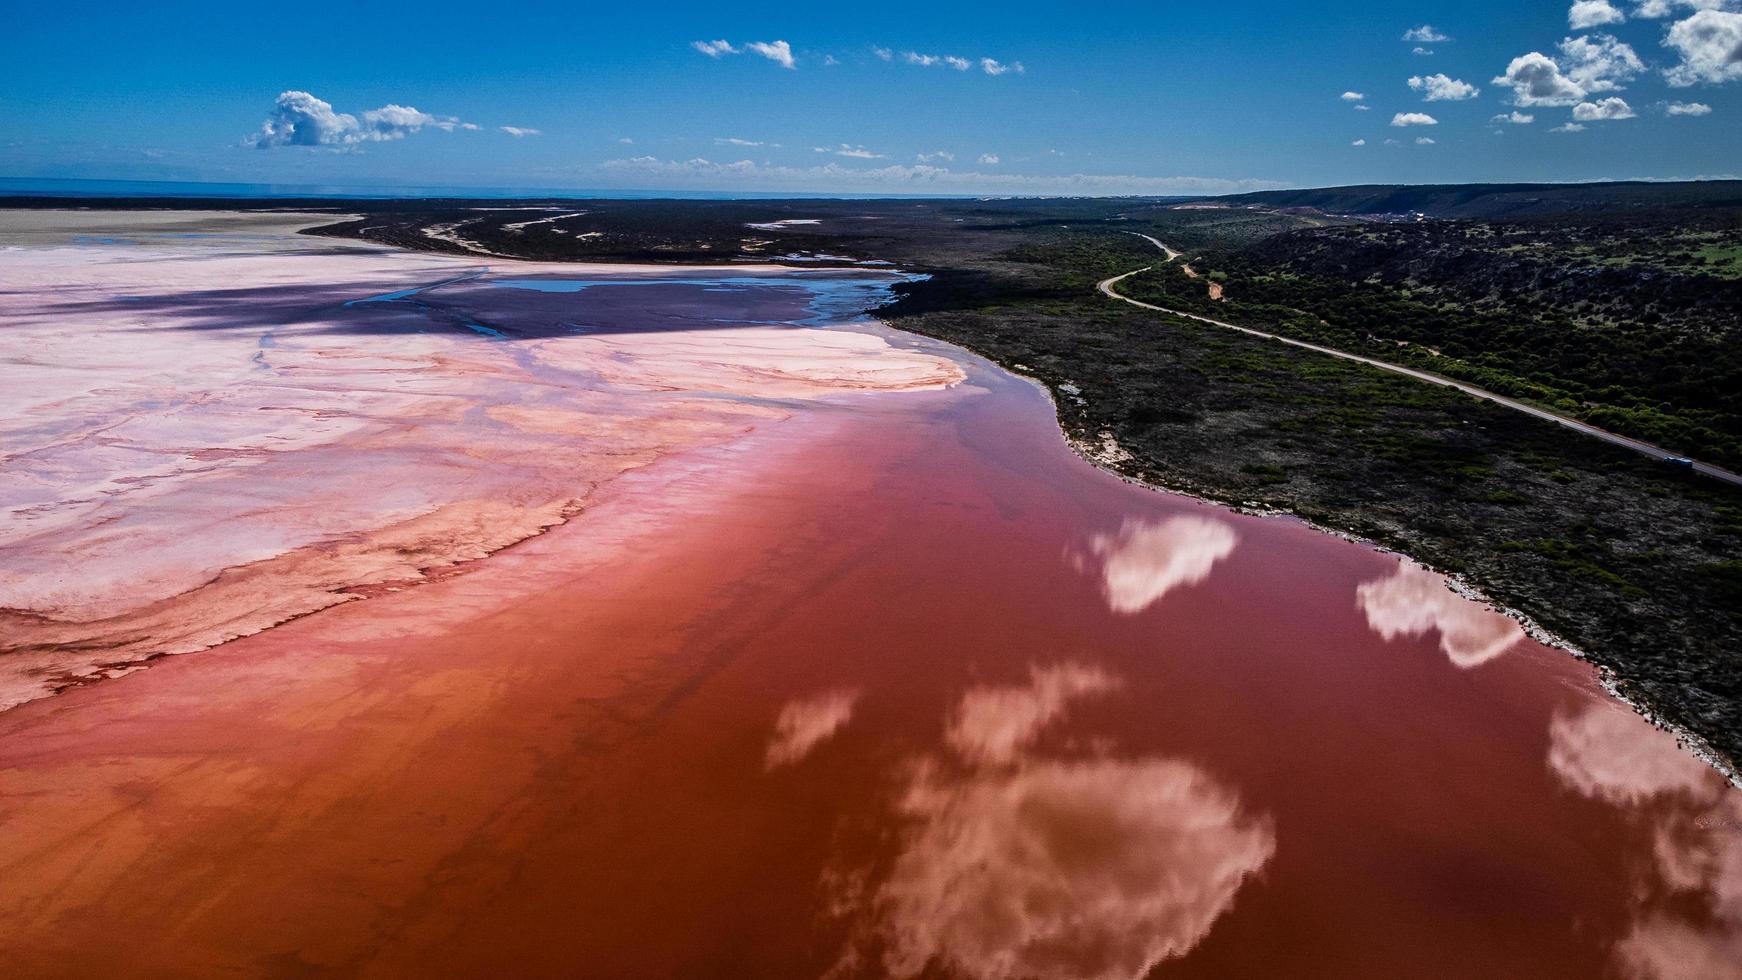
(701, 174)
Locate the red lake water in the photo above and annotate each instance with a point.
(894, 686)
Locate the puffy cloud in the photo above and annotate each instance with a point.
(1515, 118)
(992, 725)
(1424, 141)
(778, 52)
(300, 119)
(1603, 110)
(1535, 79)
(701, 174)
(1352, 96)
(988, 159)
(807, 723)
(993, 881)
(1148, 559)
(1599, 62)
(994, 67)
(1359, 143)
(1421, 52)
(1710, 45)
(1608, 753)
(1688, 109)
(1666, 8)
(883, 54)
(1443, 88)
(1413, 601)
(1414, 119)
(1593, 13)
(958, 63)
(1571, 127)
(521, 131)
(1426, 34)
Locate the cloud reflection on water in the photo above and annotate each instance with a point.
(1017, 865)
(1148, 559)
(1412, 601)
(805, 724)
(1689, 926)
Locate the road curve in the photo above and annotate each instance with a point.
(1638, 446)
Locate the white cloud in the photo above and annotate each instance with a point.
(1603, 110)
(1535, 79)
(1444, 88)
(1413, 601)
(943, 155)
(300, 119)
(778, 52)
(1593, 13)
(1515, 118)
(1688, 109)
(990, 66)
(520, 131)
(1421, 52)
(1598, 63)
(1148, 559)
(700, 174)
(1030, 862)
(883, 54)
(805, 724)
(1359, 143)
(1424, 141)
(1351, 96)
(735, 141)
(1666, 8)
(1363, 108)
(1710, 45)
(1414, 119)
(989, 159)
(1571, 127)
(626, 141)
(856, 152)
(1425, 34)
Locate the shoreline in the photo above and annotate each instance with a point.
(1098, 456)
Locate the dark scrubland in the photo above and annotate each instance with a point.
(1600, 310)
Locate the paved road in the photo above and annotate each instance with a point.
(1656, 452)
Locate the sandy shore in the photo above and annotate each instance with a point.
(209, 427)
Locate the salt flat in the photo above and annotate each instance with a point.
(209, 425)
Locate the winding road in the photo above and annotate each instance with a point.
(1106, 286)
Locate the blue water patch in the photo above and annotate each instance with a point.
(833, 299)
(486, 331)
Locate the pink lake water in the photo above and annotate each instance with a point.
(891, 684)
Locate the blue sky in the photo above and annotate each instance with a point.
(1109, 98)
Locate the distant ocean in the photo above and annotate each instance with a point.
(62, 187)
